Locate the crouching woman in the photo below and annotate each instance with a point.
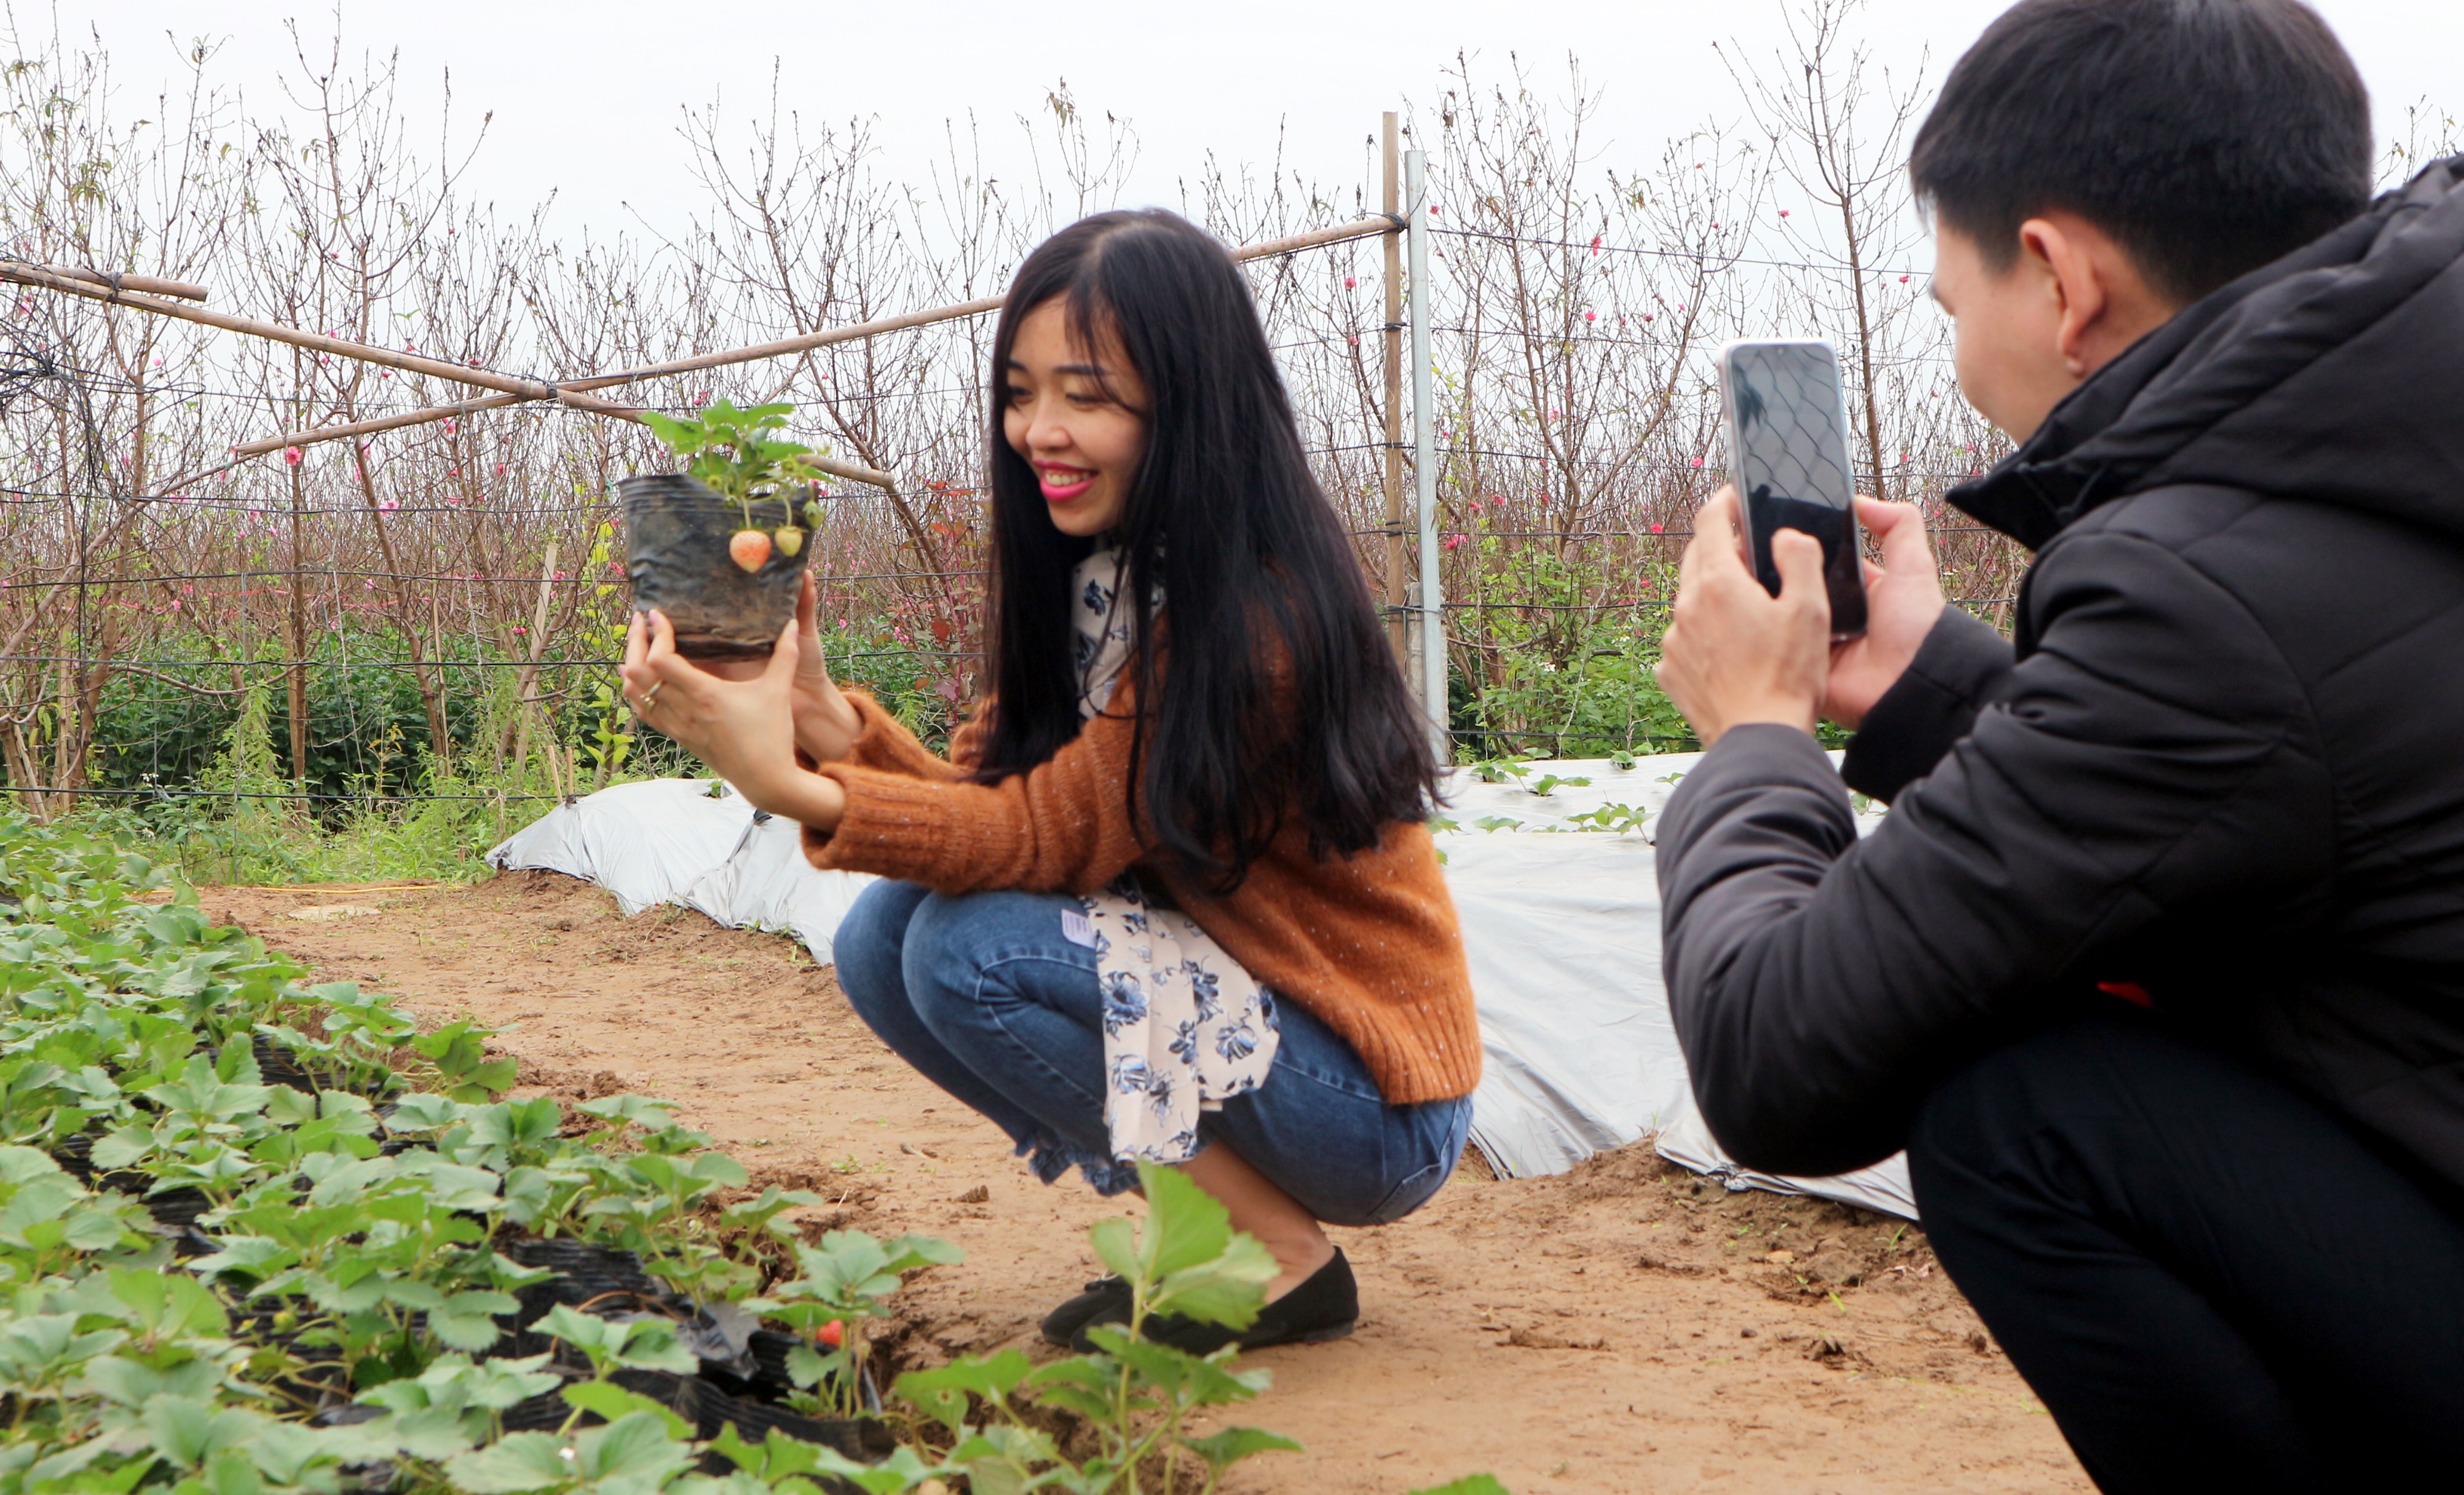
(1171, 896)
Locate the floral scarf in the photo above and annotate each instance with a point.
(1186, 1027)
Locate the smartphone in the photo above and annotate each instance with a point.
(1788, 447)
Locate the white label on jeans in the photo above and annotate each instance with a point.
(1077, 929)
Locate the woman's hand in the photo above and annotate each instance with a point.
(826, 723)
(1733, 653)
(744, 729)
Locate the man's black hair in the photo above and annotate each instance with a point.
(2208, 137)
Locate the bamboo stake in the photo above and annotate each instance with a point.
(1398, 586)
(149, 285)
(1359, 229)
(853, 472)
(408, 363)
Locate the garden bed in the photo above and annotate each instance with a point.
(262, 1235)
(1599, 1314)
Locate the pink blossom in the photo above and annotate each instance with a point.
(1697, 462)
(1591, 316)
(1456, 542)
(1783, 213)
(1354, 340)
(1904, 281)
(451, 425)
(291, 455)
(501, 470)
(388, 504)
(519, 628)
(1655, 529)
(1597, 240)
(1350, 282)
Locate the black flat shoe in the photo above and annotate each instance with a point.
(1060, 1326)
(1326, 1306)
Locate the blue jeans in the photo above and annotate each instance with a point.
(988, 1000)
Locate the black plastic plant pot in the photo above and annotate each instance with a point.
(676, 534)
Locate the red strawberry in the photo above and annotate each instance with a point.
(749, 548)
(832, 1334)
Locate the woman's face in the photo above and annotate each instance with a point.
(1073, 414)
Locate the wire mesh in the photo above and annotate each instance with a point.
(434, 613)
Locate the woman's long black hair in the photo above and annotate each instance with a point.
(1256, 575)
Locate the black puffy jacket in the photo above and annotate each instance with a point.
(2222, 765)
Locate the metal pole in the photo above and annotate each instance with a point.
(1398, 585)
(1424, 461)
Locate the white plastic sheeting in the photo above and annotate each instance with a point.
(670, 841)
(1561, 926)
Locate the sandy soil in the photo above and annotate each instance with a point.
(1623, 1328)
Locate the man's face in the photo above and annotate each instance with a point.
(2008, 331)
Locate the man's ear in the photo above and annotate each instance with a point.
(2105, 303)
(2075, 279)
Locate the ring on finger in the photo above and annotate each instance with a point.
(650, 696)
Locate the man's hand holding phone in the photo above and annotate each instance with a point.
(1734, 653)
(1902, 602)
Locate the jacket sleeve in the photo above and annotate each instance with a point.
(2155, 754)
(1063, 825)
(1962, 668)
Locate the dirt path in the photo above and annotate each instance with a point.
(1624, 1327)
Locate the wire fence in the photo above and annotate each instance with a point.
(433, 615)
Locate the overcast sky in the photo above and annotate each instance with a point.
(587, 97)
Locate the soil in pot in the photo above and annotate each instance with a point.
(676, 537)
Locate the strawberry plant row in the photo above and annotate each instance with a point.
(259, 1236)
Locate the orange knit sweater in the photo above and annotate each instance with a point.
(1368, 944)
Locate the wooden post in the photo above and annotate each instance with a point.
(530, 672)
(432, 694)
(1399, 588)
(299, 645)
(444, 729)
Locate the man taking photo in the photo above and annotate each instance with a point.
(2156, 968)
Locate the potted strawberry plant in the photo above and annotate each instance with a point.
(719, 547)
